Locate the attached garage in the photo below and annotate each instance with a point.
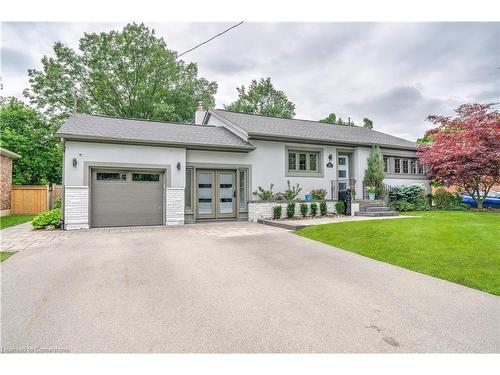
(120, 197)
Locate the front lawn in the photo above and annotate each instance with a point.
(9, 221)
(463, 247)
(4, 255)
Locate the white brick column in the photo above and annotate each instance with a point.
(174, 206)
(76, 207)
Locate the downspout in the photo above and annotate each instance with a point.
(63, 201)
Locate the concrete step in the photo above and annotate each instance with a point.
(376, 213)
(374, 208)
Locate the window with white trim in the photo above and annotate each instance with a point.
(303, 161)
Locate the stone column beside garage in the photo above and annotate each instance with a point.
(174, 206)
(76, 207)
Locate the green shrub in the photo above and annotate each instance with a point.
(444, 200)
(291, 192)
(419, 204)
(265, 195)
(408, 193)
(290, 210)
(318, 194)
(44, 219)
(303, 209)
(57, 202)
(340, 207)
(323, 209)
(402, 205)
(314, 209)
(277, 212)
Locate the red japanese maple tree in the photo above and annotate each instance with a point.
(464, 151)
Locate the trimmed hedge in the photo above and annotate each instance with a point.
(323, 209)
(277, 211)
(314, 209)
(340, 207)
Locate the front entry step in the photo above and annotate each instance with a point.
(379, 213)
(374, 208)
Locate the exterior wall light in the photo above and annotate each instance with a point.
(178, 166)
(75, 162)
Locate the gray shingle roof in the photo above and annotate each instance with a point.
(102, 128)
(262, 126)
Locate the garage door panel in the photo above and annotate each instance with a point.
(126, 203)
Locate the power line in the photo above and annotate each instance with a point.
(212, 38)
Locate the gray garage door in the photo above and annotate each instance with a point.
(126, 198)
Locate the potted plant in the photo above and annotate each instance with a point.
(371, 192)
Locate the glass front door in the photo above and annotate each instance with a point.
(226, 197)
(205, 194)
(215, 194)
(343, 175)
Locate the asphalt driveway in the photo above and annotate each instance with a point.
(235, 287)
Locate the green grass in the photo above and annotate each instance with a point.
(463, 247)
(10, 221)
(4, 255)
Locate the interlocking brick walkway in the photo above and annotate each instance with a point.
(22, 237)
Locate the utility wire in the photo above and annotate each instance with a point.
(212, 38)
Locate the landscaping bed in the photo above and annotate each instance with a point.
(459, 246)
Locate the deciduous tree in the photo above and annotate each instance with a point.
(367, 123)
(464, 151)
(127, 73)
(262, 98)
(26, 132)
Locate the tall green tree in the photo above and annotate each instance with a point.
(374, 172)
(127, 73)
(367, 123)
(263, 99)
(332, 119)
(25, 131)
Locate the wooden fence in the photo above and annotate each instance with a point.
(33, 199)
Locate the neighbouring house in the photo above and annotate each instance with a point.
(124, 172)
(6, 167)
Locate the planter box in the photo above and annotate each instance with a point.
(258, 210)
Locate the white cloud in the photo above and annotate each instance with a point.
(396, 74)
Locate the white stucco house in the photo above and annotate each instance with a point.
(124, 172)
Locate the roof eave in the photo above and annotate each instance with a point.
(267, 137)
(188, 146)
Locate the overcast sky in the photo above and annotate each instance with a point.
(395, 74)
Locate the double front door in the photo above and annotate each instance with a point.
(215, 194)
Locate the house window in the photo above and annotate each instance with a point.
(243, 190)
(292, 161)
(303, 161)
(413, 166)
(386, 164)
(397, 165)
(105, 176)
(405, 165)
(146, 177)
(188, 193)
(313, 162)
